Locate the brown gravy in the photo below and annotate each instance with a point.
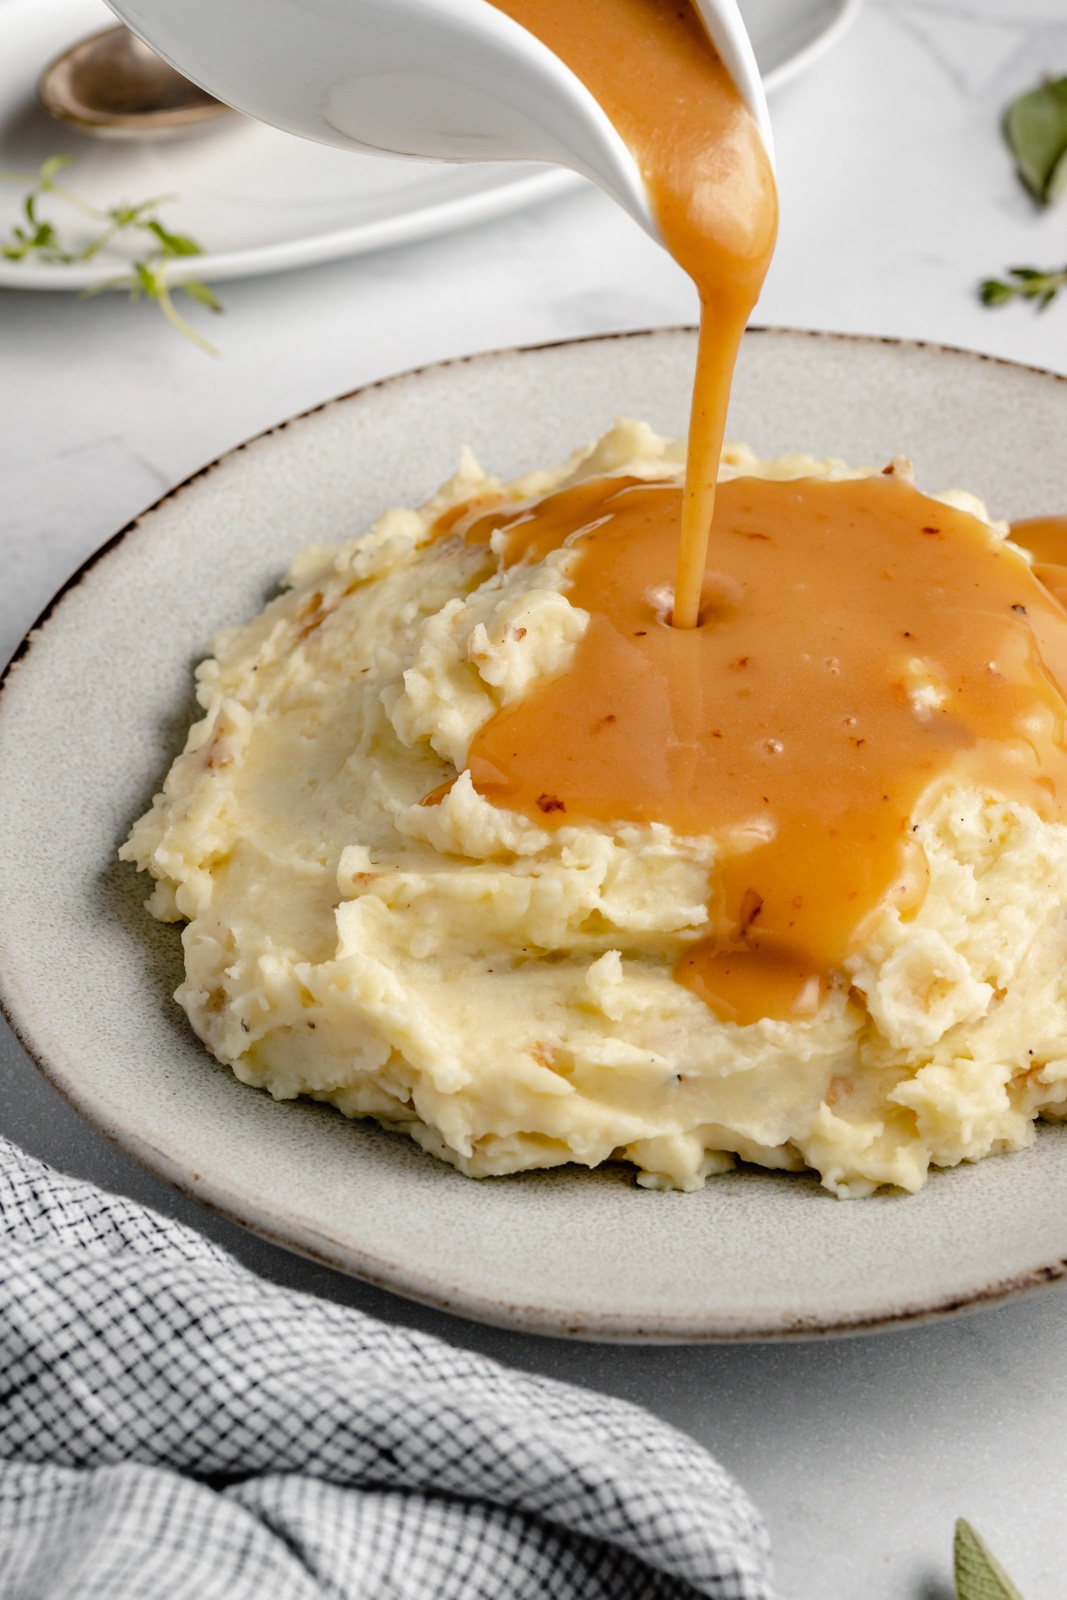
(1046, 540)
(785, 721)
(651, 67)
(851, 644)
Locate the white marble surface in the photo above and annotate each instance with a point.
(897, 196)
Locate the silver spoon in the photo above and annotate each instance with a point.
(114, 86)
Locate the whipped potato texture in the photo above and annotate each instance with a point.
(504, 993)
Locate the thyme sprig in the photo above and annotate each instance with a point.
(37, 237)
(1024, 283)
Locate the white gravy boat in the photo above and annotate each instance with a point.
(448, 80)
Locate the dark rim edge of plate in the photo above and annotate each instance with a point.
(392, 1276)
(25, 644)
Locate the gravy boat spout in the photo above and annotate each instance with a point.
(446, 80)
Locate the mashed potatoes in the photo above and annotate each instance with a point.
(504, 993)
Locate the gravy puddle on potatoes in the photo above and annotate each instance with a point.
(1046, 540)
(832, 652)
(808, 747)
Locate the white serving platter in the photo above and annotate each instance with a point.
(262, 201)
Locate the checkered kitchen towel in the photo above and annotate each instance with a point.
(172, 1426)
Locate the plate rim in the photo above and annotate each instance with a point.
(261, 1219)
(363, 238)
(758, 329)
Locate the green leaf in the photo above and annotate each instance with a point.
(53, 165)
(994, 293)
(1056, 185)
(201, 292)
(979, 1575)
(147, 279)
(175, 244)
(1036, 129)
(1030, 283)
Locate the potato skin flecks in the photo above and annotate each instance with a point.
(503, 991)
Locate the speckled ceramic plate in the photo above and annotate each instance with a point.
(96, 704)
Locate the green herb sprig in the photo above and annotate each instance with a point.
(1024, 283)
(38, 238)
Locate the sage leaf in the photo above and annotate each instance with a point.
(979, 1575)
(1036, 129)
(1056, 186)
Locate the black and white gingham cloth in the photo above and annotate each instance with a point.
(172, 1426)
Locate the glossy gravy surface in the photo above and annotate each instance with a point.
(650, 66)
(1046, 540)
(848, 645)
(858, 641)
